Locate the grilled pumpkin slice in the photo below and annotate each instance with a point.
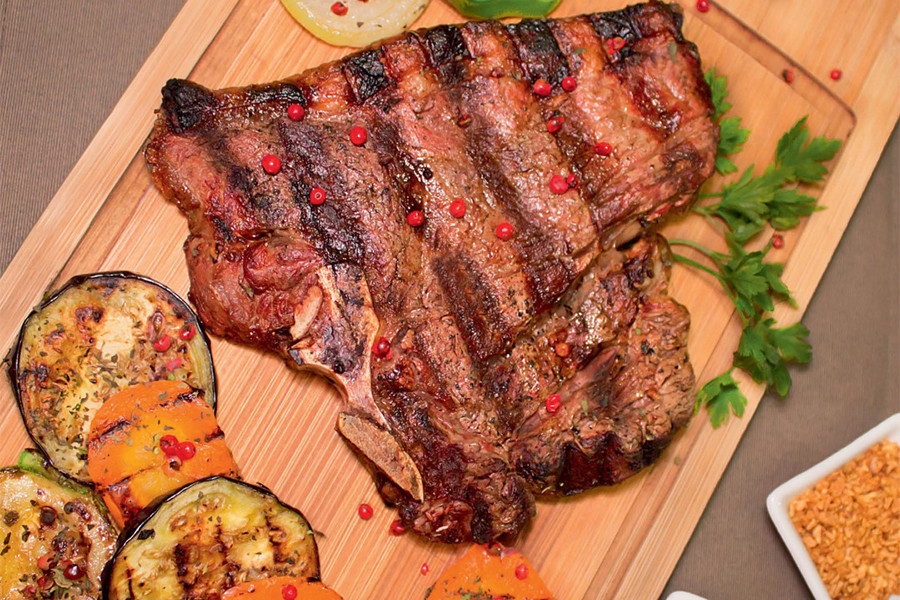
(208, 537)
(278, 588)
(490, 571)
(150, 439)
(96, 335)
(50, 526)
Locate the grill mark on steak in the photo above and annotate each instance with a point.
(366, 75)
(331, 225)
(540, 55)
(473, 321)
(513, 153)
(444, 44)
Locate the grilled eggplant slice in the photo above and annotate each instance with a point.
(150, 439)
(50, 526)
(100, 333)
(208, 537)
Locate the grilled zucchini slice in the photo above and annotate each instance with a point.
(50, 526)
(98, 334)
(208, 537)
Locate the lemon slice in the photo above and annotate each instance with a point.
(364, 22)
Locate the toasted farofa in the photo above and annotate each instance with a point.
(850, 524)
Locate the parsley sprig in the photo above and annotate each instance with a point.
(746, 206)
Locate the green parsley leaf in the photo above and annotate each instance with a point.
(731, 139)
(764, 351)
(718, 86)
(787, 206)
(805, 159)
(752, 282)
(721, 396)
(744, 205)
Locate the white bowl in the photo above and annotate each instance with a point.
(683, 596)
(778, 501)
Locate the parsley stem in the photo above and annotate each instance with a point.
(722, 280)
(698, 247)
(696, 265)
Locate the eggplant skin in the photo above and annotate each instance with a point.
(207, 537)
(91, 338)
(47, 516)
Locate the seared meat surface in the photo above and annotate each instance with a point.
(446, 338)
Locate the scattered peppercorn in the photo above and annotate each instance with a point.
(73, 572)
(187, 331)
(424, 569)
(365, 511)
(358, 135)
(836, 74)
(339, 8)
(271, 164)
(317, 196)
(603, 148)
(185, 450)
(295, 112)
(505, 231)
(777, 241)
(787, 75)
(289, 592)
(521, 571)
(572, 180)
(562, 349)
(558, 184)
(569, 84)
(397, 527)
(168, 444)
(458, 208)
(542, 87)
(415, 218)
(162, 343)
(554, 124)
(552, 403)
(382, 347)
(615, 44)
(703, 5)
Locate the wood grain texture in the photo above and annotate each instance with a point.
(617, 542)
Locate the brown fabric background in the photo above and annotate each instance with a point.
(63, 66)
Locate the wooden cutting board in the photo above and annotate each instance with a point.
(618, 542)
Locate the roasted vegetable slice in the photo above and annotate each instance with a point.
(54, 536)
(279, 588)
(489, 571)
(208, 537)
(150, 439)
(497, 9)
(355, 23)
(96, 335)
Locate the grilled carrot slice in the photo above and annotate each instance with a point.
(278, 588)
(150, 439)
(489, 571)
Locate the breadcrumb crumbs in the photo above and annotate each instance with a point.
(850, 524)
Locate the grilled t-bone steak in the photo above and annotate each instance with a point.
(454, 339)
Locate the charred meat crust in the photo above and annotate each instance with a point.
(476, 325)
